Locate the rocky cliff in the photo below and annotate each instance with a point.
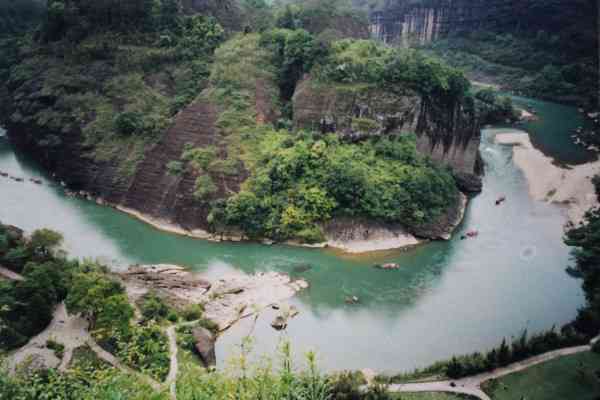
(409, 21)
(450, 136)
(149, 188)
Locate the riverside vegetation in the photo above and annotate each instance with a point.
(120, 72)
(90, 289)
(120, 78)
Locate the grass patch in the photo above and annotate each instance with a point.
(572, 377)
(85, 358)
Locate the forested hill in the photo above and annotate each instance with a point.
(199, 113)
(542, 48)
(19, 16)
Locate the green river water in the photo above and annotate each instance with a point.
(448, 297)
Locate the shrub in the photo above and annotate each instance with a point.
(193, 312)
(311, 235)
(365, 125)
(128, 123)
(57, 347)
(209, 325)
(175, 168)
(146, 349)
(204, 187)
(153, 307)
(172, 316)
(347, 385)
(198, 157)
(185, 339)
(301, 181)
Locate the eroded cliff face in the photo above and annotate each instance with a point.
(448, 135)
(151, 191)
(409, 22)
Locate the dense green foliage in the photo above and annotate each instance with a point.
(319, 17)
(537, 65)
(294, 53)
(304, 180)
(586, 254)
(101, 299)
(145, 348)
(86, 380)
(27, 305)
(140, 78)
(395, 70)
(506, 353)
(87, 289)
(19, 16)
(283, 381)
(494, 109)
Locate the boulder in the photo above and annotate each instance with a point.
(205, 346)
(14, 233)
(388, 266)
(468, 183)
(279, 323)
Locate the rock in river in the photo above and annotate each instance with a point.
(279, 323)
(389, 266)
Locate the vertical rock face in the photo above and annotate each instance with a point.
(409, 22)
(448, 135)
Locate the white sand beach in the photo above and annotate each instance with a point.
(570, 186)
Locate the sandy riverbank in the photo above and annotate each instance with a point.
(548, 182)
(364, 237)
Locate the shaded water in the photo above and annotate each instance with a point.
(448, 297)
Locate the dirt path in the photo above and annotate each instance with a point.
(69, 330)
(171, 380)
(72, 332)
(472, 385)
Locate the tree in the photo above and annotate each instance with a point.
(44, 242)
(287, 19)
(585, 240)
(101, 299)
(504, 355)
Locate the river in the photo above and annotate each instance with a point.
(448, 298)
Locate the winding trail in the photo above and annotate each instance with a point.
(72, 332)
(171, 380)
(471, 385)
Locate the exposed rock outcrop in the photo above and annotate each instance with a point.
(406, 22)
(204, 342)
(445, 224)
(449, 136)
(226, 300)
(360, 236)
